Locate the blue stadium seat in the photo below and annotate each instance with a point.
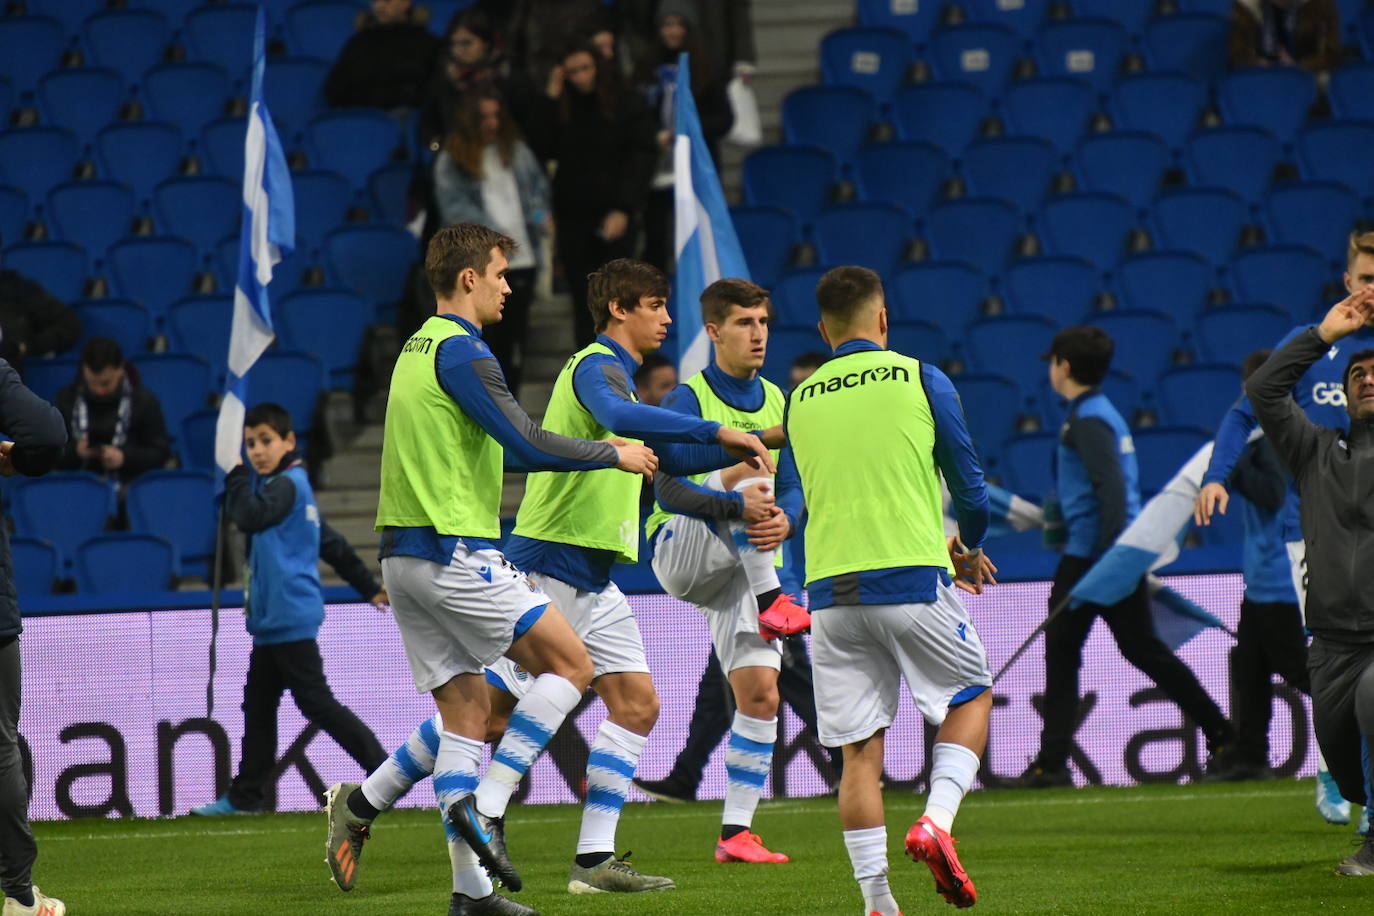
(153, 270)
(1011, 345)
(188, 94)
(71, 13)
(1352, 91)
(873, 235)
(1062, 289)
(221, 146)
(992, 404)
(1206, 220)
(372, 259)
(1232, 332)
(796, 178)
(174, 10)
(1018, 169)
(785, 345)
(122, 320)
(1212, 7)
(1120, 388)
(222, 35)
(330, 323)
(1023, 17)
(293, 379)
(907, 174)
(128, 40)
(1145, 341)
(203, 209)
(1293, 277)
(6, 100)
(1334, 151)
(321, 29)
(37, 159)
(37, 566)
(46, 377)
(1349, 11)
(195, 441)
(125, 562)
(1161, 451)
(1240, 159)
(1057, 109)
(139, 153)
(294, 91)
(288, 275)
(388, 192)
(199, 325)
(1132, 14)
(33, 46)
(354, 142)
(924, 340)
(14, 214)
(1092, 225)
(947, 292)
(1198, 395)
(984, 55)
(874, 60)
(917, 20)
(946, 115)
(65, 508)
(979, 230)
(1275, 98)
(1177, 282)
(1366, 33)
(179, 506)
(322, 200)
(81, 99)
(60, 267)
(1027, 464)
(768, 236)
(1086, 49)
(182, 383)
(794, 299)
(1135, 105)
(1193, 43)
(1130, 163)
(92, 214)
(1316, 213)
(835, 118)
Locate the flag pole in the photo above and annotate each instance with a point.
(216, 593)
(1054, 613)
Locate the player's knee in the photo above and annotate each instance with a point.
(759, 702)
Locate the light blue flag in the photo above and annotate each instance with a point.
(267, 235)
(1011, 514)
(1177, 619)
(706, 244)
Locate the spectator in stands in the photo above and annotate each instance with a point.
(470, 59)
(654, 378)
(656, 78)
(114, 424)
(38, 434)
(803, 366)
(1290, 33)
(387, 64)
(32, 320)
(726, 28)
(540, 31)
(275, 507)
(602, 137)
(487, 175)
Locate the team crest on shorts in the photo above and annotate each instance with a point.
(521, 674)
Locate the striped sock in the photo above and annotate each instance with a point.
(455, 775)
(615, 754)
(535, 719)
(407, 765)
(757, 564)
(748, 758)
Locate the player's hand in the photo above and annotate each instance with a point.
(634, 458)
(1347, 316)
(1211, 498)
(972, 570)
(771, 532)
(747, 447)
(381, 600)
(774, 436)
(758, 503)
(6, 464)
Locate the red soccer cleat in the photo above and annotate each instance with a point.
(929, 844)
(876, 913)
(746, 847)
(783, 617)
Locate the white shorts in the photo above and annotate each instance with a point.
(695, 564)
(604, 622)
(510, 677)
(456, 619)
(861, 652)
(1297, 568)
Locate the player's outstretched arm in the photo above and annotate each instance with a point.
(604, 389)
(635, 458)
(956, 457)
(684, 459)
(747, 447)
(682, 497)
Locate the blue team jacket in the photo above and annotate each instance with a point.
(285, 603)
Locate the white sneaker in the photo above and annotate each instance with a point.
(43, 905)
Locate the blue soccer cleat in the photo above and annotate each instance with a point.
(220, 807)
(1330, 805)
(1363, 828)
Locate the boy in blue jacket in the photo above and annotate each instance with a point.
(285, 606)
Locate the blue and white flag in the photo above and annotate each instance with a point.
(1007, 512)
(268, 233)
(706, 244)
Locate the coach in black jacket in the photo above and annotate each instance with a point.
(1335, 477)
(38, 433)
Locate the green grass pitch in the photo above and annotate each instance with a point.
(1237, 848)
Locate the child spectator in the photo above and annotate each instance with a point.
(114, 424)
(276, 509)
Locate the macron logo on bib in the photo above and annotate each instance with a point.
(856, 380)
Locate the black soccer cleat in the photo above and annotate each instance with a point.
(487, 837)
(492, 904)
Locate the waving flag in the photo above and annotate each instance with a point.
(706, 244)
(269, 230)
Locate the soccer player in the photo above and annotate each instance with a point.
(458, 602)
(715, 541)
(872, 432)
(1321, 395)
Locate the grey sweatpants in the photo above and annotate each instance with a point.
(1343, 712)
(17, 849)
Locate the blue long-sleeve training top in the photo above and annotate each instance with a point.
(1096, 473)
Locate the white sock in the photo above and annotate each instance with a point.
(952, 769)
(615, 754)
(748, 760)
(455, 775)
(535, 719)
(868, 854)
(407, 765)
(758, 564)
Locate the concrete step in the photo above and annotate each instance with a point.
(355, 472)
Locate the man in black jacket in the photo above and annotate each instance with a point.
(116, 426)
(38, 433)
(1334, 472)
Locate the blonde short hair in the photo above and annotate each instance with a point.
(1360, 243)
